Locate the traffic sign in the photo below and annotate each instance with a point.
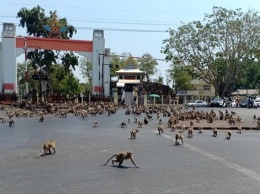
(40, 77)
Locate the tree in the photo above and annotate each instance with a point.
(148, 64)
(180, 76)
(86, 69)
(219, 48)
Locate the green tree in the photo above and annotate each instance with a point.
(219, 48)
(180, 76)
(85, 66)
(148, 64)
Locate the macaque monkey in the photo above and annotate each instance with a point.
(200, 130)
(182, 127)
(120, 157)
(145, 120)
(191, 123)
(133, 133)
(41, 118)
(228, 133)
(95, 124)
(160, 121)
(135, 120)
(108, 113)
(3, 119)
(140, 124)
(173, 127)
(11, 123)
(239, 129)
(198, 120)
(128, 120)
(178, 137)
(160, 129)
(215, 132)
(190, 132)
(123, 125)
(46, 147)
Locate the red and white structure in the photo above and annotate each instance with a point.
(12, 46)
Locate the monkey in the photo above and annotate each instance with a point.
(210, 119)
(128, 120)
(41, 118)
(123, 125)
(11, 123)
(120, 157)
(160, 129)
(108, 113)
(140, 124)
(3, 119)
(178, 137)
(46, 147)
(135, 119)
(63, 114)
(190, 132)
(149, 116)
(95, 124)
(215, 132)
(31, 114)
(191, 123)
(145, 120)
(228, 133)
(158, 115)
(173, 127)
(182, 127)
(200, 130)
(160, 121)
(133, 133)
(198, 120)
(239, 129)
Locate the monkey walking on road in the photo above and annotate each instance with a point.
(120, 157)
(46, 147)
(133, 133)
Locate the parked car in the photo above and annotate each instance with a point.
(257, 102)
(217, 102)
(243, 104)
(198, 103)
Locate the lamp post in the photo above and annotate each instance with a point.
(26, 68)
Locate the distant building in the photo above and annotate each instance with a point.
(200, 91)
(129, 81)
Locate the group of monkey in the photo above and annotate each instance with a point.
(49, 147)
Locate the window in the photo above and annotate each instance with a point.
(206, 87)
(138, 77)
(8, 27)
(98, 33)
(129, 77)
(120, 77)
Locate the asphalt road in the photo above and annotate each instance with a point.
(204, 164)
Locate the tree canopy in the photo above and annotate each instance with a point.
(219, 48)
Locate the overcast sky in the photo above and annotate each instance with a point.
(136, 26)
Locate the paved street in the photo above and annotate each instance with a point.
(204, 164)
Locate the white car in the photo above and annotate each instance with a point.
(257, 102)
(198, 103)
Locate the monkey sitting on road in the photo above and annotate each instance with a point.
(128, 120)
(145, 120)
(140, 124)
(215, 132)
(46, 147)
(133, 133)
(200, 130)
(160, 121)
(178, 137)
(3, 119)
(160, 129)
(41, 118)
(239, 129)
(95, 124)
(11, 123)
(228, 133)
(120, 157)
(123, 125)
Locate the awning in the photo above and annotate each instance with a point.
(120, 84)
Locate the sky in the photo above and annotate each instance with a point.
(136, 27)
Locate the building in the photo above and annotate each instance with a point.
(129, 81)
(200, 91)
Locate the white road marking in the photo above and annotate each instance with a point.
(235, 166)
